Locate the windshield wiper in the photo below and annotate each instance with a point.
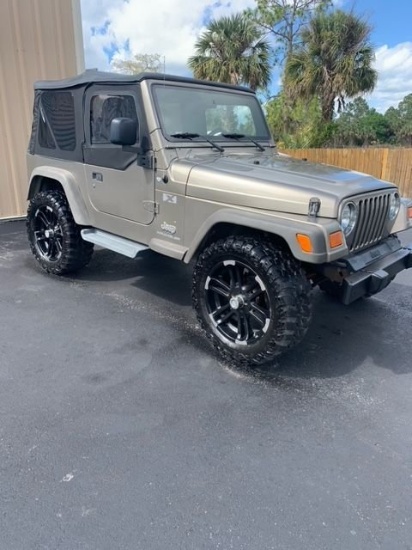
(191, 135)
(240, 136)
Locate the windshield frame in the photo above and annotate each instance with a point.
(267, 139)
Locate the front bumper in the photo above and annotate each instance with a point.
(371, 276)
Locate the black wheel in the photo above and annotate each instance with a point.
(252, 300)
(54, 236)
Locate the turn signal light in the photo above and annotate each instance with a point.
(336, 239)
(410, 212)
(305, 243)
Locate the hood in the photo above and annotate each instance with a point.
(271, 182)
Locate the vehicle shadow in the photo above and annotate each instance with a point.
(339, 340)
(158, 275)
(342, 338)
(166, 278)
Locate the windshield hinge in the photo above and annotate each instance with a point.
(151, 206)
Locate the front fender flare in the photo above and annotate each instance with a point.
(282, 225)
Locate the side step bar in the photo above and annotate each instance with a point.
(111, 242)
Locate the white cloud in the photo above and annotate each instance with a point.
(95, 13)
(114, 28)
(166, 27)
(394, 66)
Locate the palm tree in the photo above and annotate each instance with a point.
(333, 62)
(232, 50)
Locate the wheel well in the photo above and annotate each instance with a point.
(224, 230)
(41, 183)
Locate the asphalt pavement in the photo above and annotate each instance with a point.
(120, 429)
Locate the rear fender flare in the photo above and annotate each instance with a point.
(70, 188)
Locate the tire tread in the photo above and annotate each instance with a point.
(293, 299)
(77, 252)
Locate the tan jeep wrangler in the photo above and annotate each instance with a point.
(189, 170)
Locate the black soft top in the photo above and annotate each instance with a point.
(94, 76)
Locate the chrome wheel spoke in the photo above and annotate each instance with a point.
(220, 287)
(238, 275)
(237, 302)
(40, 236)
(59, 245)
(48, 234)
(232, 275)
(255, 291)
(41, 216)
(222, 314)
(243, 326)
(235, 274)
(50, 248)
(260, 314)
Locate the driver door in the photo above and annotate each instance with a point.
(116, 185)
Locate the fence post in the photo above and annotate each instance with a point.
(384, 164)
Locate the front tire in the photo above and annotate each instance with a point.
(252, 300)
(54, 236)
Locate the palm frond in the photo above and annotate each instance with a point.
(334, 61)
(232, 50)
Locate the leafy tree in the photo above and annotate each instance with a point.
(285, 19)
(377, 127)
(393, 119)
(359, 124)
(298, 125)
(333, 62)
(140, 63)
(232, 50)
(348, 124)
(404, 131)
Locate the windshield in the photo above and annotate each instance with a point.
(210, 113)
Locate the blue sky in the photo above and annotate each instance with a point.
(391, 19)
(119, 28)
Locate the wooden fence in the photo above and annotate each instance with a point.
(394, 165)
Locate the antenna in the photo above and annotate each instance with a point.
(164, 68)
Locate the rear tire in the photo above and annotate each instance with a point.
(252, 300)
(54, 236)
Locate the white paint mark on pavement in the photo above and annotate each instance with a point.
(87, 511)
(67, 477)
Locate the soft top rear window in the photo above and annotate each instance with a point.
(57, 121)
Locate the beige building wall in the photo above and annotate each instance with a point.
(39, 40)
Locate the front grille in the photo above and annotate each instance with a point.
(371, 224)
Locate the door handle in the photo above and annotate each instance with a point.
(97, 176)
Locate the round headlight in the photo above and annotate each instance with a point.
(394, 206)
(348, 218)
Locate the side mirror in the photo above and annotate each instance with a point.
(123, 131)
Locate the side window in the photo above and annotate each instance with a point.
(57, 119)
(103, 109)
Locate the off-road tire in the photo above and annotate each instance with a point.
(286, 299)
(54, 236)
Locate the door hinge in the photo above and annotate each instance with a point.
(151, 206)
